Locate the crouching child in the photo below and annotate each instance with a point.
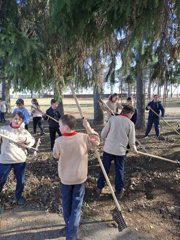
(13, 155)
(72, 151)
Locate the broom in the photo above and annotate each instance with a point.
(121, 222)
(165, 121)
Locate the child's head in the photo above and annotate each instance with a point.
(128, 110)
(54, 103)
(156, 98)
(20, 103)
(67, 123)
(129, 101)
(34, 101)
(17, 118)
(113, 97)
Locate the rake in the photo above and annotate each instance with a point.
(121, 222)
(165, 121)
(45, 114)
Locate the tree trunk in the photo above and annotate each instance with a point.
(58, 96)
(98, 113)
(6, 93)
(129, 89)
(149, 90)
(97, 90)
(140, 92)
(171, 91)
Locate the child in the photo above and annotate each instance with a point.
(157, 106)
(37, 116)
(112, 104)
(117, 133)
(21, 108)
(3, 105)
(129, 102)
(72, 151)
(13, 155)
(54, 112)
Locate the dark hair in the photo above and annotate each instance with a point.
(127, 109)
(20, 101)
(129, 99)
(20, 114)
(34, 100)
(113, 95)
(0, 98)
(69, 120)
(53, 101)
(156, 95)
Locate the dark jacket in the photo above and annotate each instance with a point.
(134, 117)
(55, 113)
(157, 107)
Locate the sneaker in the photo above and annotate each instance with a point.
(119, 195)
(33, 133)
(42, 133)
(146, 136)
(98, 190)
(20, 201)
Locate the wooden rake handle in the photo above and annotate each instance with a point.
(165, 121)
(97, 154)
(20, 144)
(154, 156)
(45, 114)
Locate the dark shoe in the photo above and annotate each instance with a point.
(98, 190)
(20, 201)
(119, 195)
(42, 133)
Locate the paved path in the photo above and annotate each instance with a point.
(23, 224)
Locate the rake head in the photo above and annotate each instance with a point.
(120, 220)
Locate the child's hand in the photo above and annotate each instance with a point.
(21, 140)
(86, 124)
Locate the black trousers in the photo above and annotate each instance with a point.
(52, 131)
(37, 121)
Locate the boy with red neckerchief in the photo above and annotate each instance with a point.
(117, 133)
(13, 155)
(72, 151)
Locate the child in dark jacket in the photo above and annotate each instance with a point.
(157, 106)
(54, 112)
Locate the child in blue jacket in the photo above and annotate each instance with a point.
(157, 106)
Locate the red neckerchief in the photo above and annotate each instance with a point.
(69, 134)
(12, 126)
(113, 101)
(124, 115)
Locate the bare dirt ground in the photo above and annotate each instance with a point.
(150, 205)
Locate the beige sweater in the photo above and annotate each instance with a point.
(11, 152)
(34, 112)
(72, 152)
(113, 107)
(117, 133)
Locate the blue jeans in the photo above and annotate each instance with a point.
(19, 172)
(72, 199)
(156, 121)
(119, 168)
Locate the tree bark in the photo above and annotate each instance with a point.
(58, 96)
(97, 90)
(140, 92)
(6, 93)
